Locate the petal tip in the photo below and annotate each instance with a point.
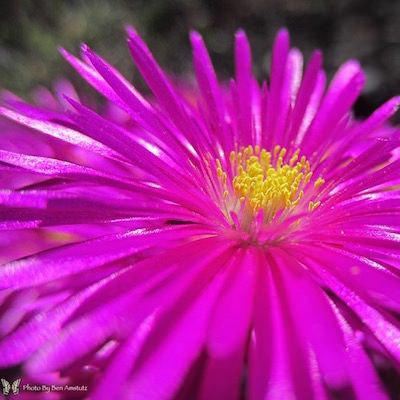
(85, 48)
(283, 34)
(195, 37)
(130, 31)
(240, 33)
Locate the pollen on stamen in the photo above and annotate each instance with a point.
(264, 180)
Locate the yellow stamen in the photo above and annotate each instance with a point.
(264, 180)
(319, 182)
(312, 206)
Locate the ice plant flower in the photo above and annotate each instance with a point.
(243, 244)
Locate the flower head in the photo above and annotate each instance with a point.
(242, 241)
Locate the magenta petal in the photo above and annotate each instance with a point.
(306, 89)
(161, 86)
(365, 380)
(244, 81)
(66, 134)
(93, 77)
(209, 87)
(31, 335)
(279, 59)
(70, 259)
(229, 325)
(137, 107)
(231, 368)
(158, 378)
(290, 86)
(119, 368)
(386, 332)
(311, 310)
(66, 349)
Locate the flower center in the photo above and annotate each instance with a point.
(263, 180)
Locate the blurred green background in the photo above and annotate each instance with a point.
(31, 31)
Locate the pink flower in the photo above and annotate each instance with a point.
(240, 242)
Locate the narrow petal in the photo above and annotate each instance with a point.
(244, 81)
(209, 88)
(228, 388)
(229, 327)
(155, 379)
(70, 259)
